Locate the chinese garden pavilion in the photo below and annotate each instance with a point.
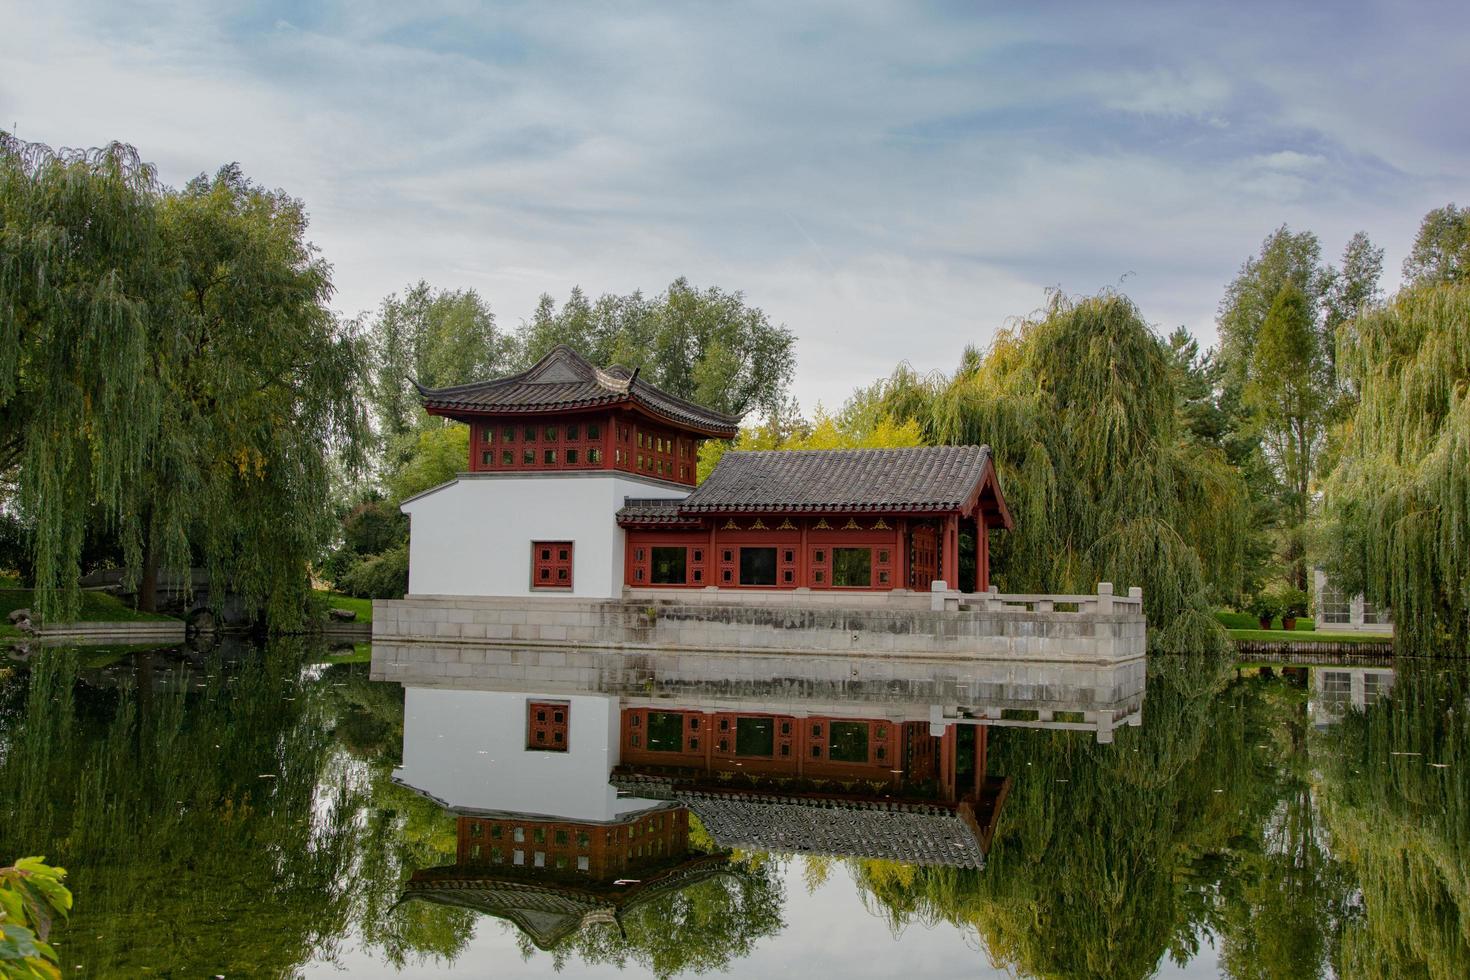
(590, 474)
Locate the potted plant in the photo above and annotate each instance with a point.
(1265, 607)
(1293, 604)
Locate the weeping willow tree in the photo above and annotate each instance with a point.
(263, 383)
(82, 272)
(1079, 407)
(169, 370)
(1399, 499)
(1397, 802)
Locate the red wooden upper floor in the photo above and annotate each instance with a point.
(564, 413)
(597, 440)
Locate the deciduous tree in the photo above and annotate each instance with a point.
(1287, 389)
(1285, 257)
(1441, 252)
(707, 345)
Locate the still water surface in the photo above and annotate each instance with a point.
(277, 812)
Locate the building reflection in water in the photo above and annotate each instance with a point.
(588, 784)
(1338, 690)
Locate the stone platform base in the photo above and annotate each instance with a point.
(133, 631)
(1108, 632)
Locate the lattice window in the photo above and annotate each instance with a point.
(821, 567)
(547, 727)
(1376, 615)
(551, 564)
(1337, 685)
(1376, 686)
(1333, 606)
(787, 568)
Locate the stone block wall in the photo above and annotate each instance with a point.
(997, 632)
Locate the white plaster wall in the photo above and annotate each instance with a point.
(473, 536)
(468, 748)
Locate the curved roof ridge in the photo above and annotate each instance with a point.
(565, 380)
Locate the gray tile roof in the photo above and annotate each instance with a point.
(548, 911)
(654, 510)
(923, 478)
(916, 833)
(563, 380)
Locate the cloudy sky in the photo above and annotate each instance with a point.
(892, 181)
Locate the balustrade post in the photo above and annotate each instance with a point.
(1105, 597)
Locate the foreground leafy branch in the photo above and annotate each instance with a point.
(32, 896)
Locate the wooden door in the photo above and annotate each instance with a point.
(923, 556)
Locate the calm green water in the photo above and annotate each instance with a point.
(264, 813)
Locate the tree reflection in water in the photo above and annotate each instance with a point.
(210, 820)
(238, 816)
(1397, 804)
(1226, 818)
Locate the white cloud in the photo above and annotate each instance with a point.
(890, 182)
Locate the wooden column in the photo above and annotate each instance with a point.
(712, 557)
(982, 743)
(982, 553)
(901, 552)
(803, 560)
(948, 756)
(950, 567)
(707, 719)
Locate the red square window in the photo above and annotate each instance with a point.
(551, 564)
(546, 725)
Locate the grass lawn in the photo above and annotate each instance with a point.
(1308, 636)
(1245, 621)
(362, 653)
(336, 600)
(97, 607)
(1243, 626)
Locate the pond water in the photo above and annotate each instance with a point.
(277, 811)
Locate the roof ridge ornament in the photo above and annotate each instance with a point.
(561, 364)
(615, 381)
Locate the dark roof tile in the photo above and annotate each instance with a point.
(913, 833)
(923, 478)
(653, 510)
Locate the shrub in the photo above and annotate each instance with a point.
(382, 576)
(371, 528)
(1293, 603)
(1265, 606)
